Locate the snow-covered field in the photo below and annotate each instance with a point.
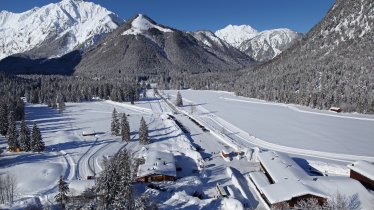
(286, 125)
(318, 139)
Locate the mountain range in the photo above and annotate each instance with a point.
(261, 46)
(75, 36)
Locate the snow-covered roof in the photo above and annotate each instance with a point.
(292, 181)
(288, 189)
(363, 167)
(259, 179)
(158, 163)
(280, 166)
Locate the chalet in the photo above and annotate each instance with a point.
(335, 109)
(282, 180)
(362, 171)
(158, 166)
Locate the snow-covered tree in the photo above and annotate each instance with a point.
(24, 138)
(341, 202)
(115, 126)
(12, 133)
(308, 204)
(62, 195)
(125, 128)
(37, 143)
(3, 118)
(114, 182)
(179, 100)
(143, 132)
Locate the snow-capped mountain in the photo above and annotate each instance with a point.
(143, 47)
(214, 43)
(261, 46)
(270, 43)
(55, 29)
(236, 35)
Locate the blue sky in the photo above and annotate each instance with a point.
(299, 15)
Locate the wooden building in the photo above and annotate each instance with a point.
(363, 172)
(158, 167)
(335, 109)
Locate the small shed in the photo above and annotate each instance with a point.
(225, 153)
(158, 166)
(88, 133)
(363, 172)
(335, 109)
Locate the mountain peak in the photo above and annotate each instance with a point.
(236, 34)
(140, 24)
(72, 22)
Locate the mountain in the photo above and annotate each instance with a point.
(217, 45)
(331, 66)
(55, 29)
(261, 46)
(236, 35)
(143, 47)
(270, 43)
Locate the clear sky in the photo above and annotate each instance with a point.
(299, 15)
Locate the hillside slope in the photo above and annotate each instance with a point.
(331, 66)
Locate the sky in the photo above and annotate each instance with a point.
(192, 15)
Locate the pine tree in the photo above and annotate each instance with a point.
(125, 128)
(179, 100)
(62, 196)
(143, 132)
(3, 118)
(115, 127)
(24, 138)
(114, 182)
(37, 143)
(12, 133)
(123, 198)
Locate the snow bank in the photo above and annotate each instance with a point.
(230, 204)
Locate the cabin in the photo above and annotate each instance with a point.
(363, 172)
(88, 133)
(335, 109)
(158, 167)
(225, 153)
(281, 180)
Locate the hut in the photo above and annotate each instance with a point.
(158, 166)
(363, 172)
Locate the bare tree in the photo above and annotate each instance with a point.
(8, 185)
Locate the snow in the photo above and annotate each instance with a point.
(280, 166)
(236, 35)
(284, 127)
(160, 163)
(363, 167)
(259, 179)
(84, 21)
(75, 157)
(231, 203)
(140, 25)
(276, 193)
